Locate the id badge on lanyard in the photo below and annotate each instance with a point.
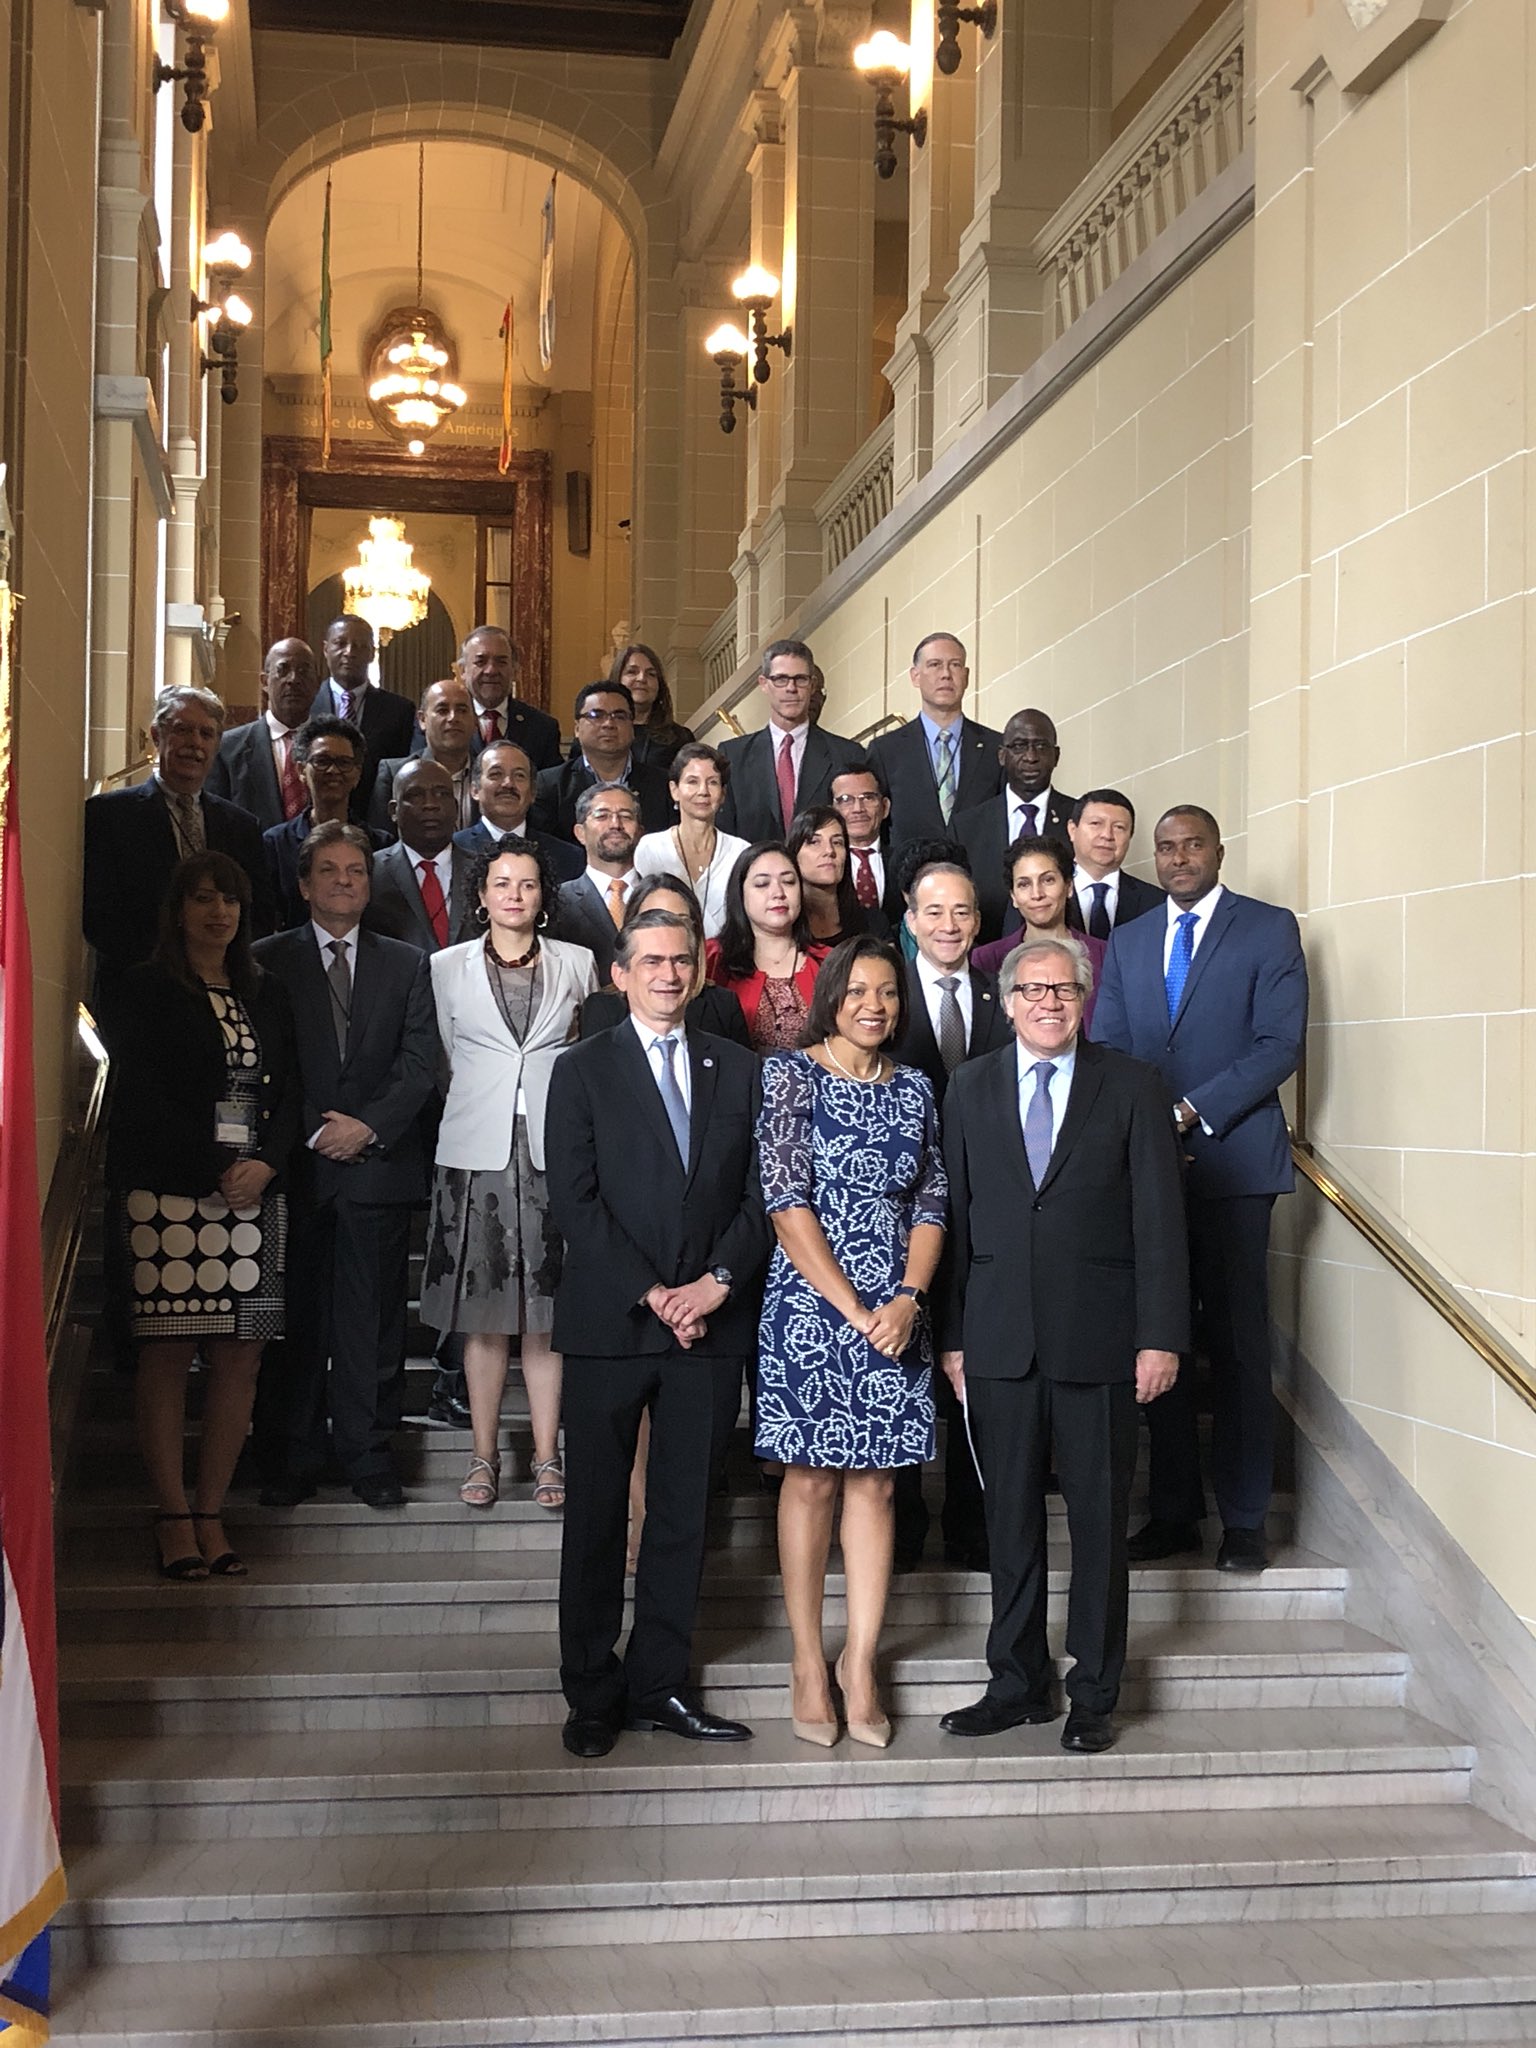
(231, 1125)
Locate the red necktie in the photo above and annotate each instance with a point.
(490, 727)
(786, 775)
(432, 901)
(295, 796)
(864, 879)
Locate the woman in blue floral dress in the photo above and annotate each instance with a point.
(854, 1183)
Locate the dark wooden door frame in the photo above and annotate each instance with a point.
(294, 482)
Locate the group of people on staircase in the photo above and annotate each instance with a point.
(867, 1078)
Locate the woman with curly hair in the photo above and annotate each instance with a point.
(507, 1006)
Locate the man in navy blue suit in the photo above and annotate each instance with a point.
(1214, 995)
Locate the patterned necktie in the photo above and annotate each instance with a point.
(433, 901)
(1098, 917)
(291, 782)
(1037, 1121)
(946, 776)
(672, 1095)
(1179, 961)
(339, 975)
(864, 885)
(786, 775)
(490, 727)
(187, 816)
(951, 1024)
(616, 902)
(1030, 813)
(343, 700)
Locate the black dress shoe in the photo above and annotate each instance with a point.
(588, 1734)
(1088, 1732)
(988, 1716)
(384, 1492)
(1242, 1550)
(286, 1493)
(1155, 1540)
(683, 1715)
(447, 1411)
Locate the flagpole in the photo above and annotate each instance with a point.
(325, 327)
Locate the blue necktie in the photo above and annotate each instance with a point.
(1179, 961)
(1029, 813)
(1037, 1121)
(1098, 917)
(672, 1096)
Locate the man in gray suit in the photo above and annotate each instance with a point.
(791, 763)
(255, 766)
(590, 910)
(421, 887)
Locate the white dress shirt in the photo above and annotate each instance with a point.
(443, 863)
(1042, 804)
(602, 883)
(933, 995)
(280, 736)
(658, 854)
(1060, 1086)
(650, 1045)
(1202, 911)
(494, 834)
(1084, 884)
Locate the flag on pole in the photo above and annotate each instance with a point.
(547, 284)
(504, 459)
(325, 328)
(31, 1876)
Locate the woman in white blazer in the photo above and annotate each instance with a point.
(507, 1007)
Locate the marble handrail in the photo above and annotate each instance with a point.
(859, 497)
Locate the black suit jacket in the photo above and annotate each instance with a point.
(388, 1076)
(751, 808)
(281, 844)
(243, 774)
(568, 861)
(583, 917)
(983, 832)
(1136, 898)
(170, 1074)
(714, 1010)
(918, 1047)
(632, 1214)
(902, 761)
(131, 852)
(387, 721)
(525, 726)
(394, 907)
(1078, 1275)
(554, 804)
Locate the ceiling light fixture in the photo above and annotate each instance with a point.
(410, 395)
(383, 585)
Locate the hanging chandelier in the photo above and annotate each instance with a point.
(384, 586)
(410, 394)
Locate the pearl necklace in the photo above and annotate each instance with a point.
(826, 1046)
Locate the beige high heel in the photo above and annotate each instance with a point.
(876, 1734)
(823, 1733)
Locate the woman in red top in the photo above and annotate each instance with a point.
(764, 954)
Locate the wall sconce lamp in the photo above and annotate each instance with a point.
(224, 341)
(755, 291)
(729, 347)
(885, 61)
(947, 55)
(200, 18)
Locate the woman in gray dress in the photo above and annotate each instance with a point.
(507, 1006)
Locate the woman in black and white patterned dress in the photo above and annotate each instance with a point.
(205, 1111)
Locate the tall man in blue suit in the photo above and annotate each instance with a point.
(1214, 995)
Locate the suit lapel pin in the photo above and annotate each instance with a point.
(709, 1063)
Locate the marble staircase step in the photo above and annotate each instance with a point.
(325, 1681)
(180, 1788)
(412, 1893)
(1069, 1988)
(467, 1592)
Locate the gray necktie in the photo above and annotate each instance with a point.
(951, 1024)
(672, 1095)
(946, 777)
(1037, 1121)
(339, 975)
(188, 814)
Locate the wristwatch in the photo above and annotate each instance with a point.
(724, 1276)
(916, 1294)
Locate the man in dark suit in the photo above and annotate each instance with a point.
(788, 766)
(653, 1182)
(501, 782)
(1029, 805)
(446, 726)
(1067, 1303)
(953, 1015)
(135, 837)
(385, 719)
(256, 766)
(590, 909)
(368, 1051)
(329, 752)
(1214, 995)
(489, 664)
(421, 889)
(605, 726)
(859, 798)
(1100, 828)
(942, 762)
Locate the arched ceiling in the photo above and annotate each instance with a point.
(483, 242)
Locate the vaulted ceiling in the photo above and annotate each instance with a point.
(636, 28)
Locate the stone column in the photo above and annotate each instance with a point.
(759, 426)
(711, 470)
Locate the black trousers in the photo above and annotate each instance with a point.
(962, 1518)
(693, 1404)
(347, 1290)
(1229, 1278)
(1016, 1423)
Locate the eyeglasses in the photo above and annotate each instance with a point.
(321, 764)
(860, 802)
(605, 717)
(603, 816)
(1037, 991)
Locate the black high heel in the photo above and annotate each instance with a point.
(228, 1564)
(193, 1566)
